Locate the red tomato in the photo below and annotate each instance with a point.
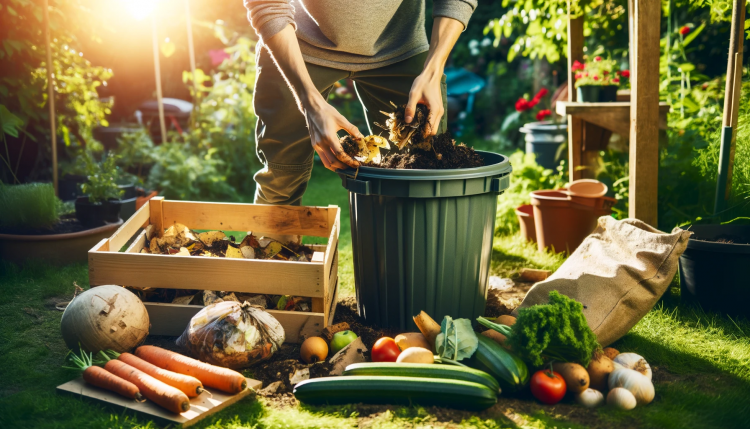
(385, 350)
(547, 386)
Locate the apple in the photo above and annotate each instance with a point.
(341, 340)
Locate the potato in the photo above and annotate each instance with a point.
(497, 337)
(599, 369)
(506, 320)
(576, 377)
(412, 339)
(416, 355)
(611, 352)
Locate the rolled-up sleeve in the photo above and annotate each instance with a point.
(268, 17)
(460, 10)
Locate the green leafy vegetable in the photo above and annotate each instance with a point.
(557, 330)
(456, 339)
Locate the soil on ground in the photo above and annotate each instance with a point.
(66, 225)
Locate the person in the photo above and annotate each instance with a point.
(306, 46)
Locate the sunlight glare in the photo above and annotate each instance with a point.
(140, 9)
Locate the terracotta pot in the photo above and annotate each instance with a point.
(562, 221)
(525, 214)
(53, 248)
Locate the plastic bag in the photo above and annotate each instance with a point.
(233, 335)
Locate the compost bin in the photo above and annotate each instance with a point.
(422, 239)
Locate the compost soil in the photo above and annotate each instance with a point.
(66, 225)
(444, 155)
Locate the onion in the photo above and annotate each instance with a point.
(104, 318)
(621, 399)
(635, 382)
(635, 362)
(590, 398)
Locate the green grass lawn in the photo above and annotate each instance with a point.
(701, 361)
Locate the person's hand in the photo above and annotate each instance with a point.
(426, 90)
(323, 122)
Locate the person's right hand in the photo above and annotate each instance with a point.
(323, 122)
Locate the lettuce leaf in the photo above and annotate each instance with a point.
(456, 339)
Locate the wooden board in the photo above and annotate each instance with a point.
(614, 116)
(200, 407)
(190, 272)
(260, 218)
(172, 319)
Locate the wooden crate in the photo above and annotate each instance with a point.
(117, 260)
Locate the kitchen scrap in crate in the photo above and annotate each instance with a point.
(118, 260)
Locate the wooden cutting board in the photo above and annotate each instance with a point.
(200, 407)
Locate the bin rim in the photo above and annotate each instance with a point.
(501, 166)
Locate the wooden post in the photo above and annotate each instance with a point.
(575, 125)
(644, 109)
(191, 52)
(157, 73)
(733, 91)
(51, 97)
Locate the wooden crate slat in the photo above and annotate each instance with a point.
(138, 243)
(172, 319)
(130, 228)
(190, 272)
(157, 218)
(267, 219)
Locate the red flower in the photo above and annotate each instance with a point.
(605, 72)
(577, 66)
(542, 92)
(579, 75)
(522, 105)
(684, 30)
(615, 80)
(624, 73)
(534, 101)
(597, 58)
(543, 114)
(704, 86)
(596, 77)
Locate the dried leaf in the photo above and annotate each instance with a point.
(233, 252)
(247, 252)
(208, 238)
(272, 249)
(183, 252)
(183, 300)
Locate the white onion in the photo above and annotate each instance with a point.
(635, 382)
(621, 399)
(635, 362)
(590, 398)
(103, 318)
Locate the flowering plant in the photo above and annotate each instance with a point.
(524, 105)
(599, 72)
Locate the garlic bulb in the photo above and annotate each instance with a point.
(635, 362)
(621, 399)
(590, 398)
(638, 384)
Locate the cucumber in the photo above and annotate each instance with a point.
(449, 372)
(395, 390)
(507, 368)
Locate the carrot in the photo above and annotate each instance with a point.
(191, 386)
(217, 377)
(100, 377)
(161, 393)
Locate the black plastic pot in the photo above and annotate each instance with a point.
(422, 239)
(544, 139)
(97, 214)
(715, 274)
(127, 201)
(69, 187)
(596, 93)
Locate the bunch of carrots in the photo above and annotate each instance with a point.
(166, 378)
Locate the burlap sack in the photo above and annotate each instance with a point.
(617, 273)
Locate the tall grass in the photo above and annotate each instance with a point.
(32, 205)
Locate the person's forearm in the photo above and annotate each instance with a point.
(445, 33)
(285, 51)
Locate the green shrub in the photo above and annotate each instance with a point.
(32, 205)
(101, 184)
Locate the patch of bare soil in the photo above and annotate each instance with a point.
(445, 154)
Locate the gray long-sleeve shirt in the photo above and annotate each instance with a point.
(354, 35)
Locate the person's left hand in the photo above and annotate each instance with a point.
(426, 90)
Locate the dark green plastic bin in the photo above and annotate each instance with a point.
(422, 239)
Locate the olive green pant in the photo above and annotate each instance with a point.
(281, 135)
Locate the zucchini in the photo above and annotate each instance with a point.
(507, 368)
(449, 372)
(395, 390)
